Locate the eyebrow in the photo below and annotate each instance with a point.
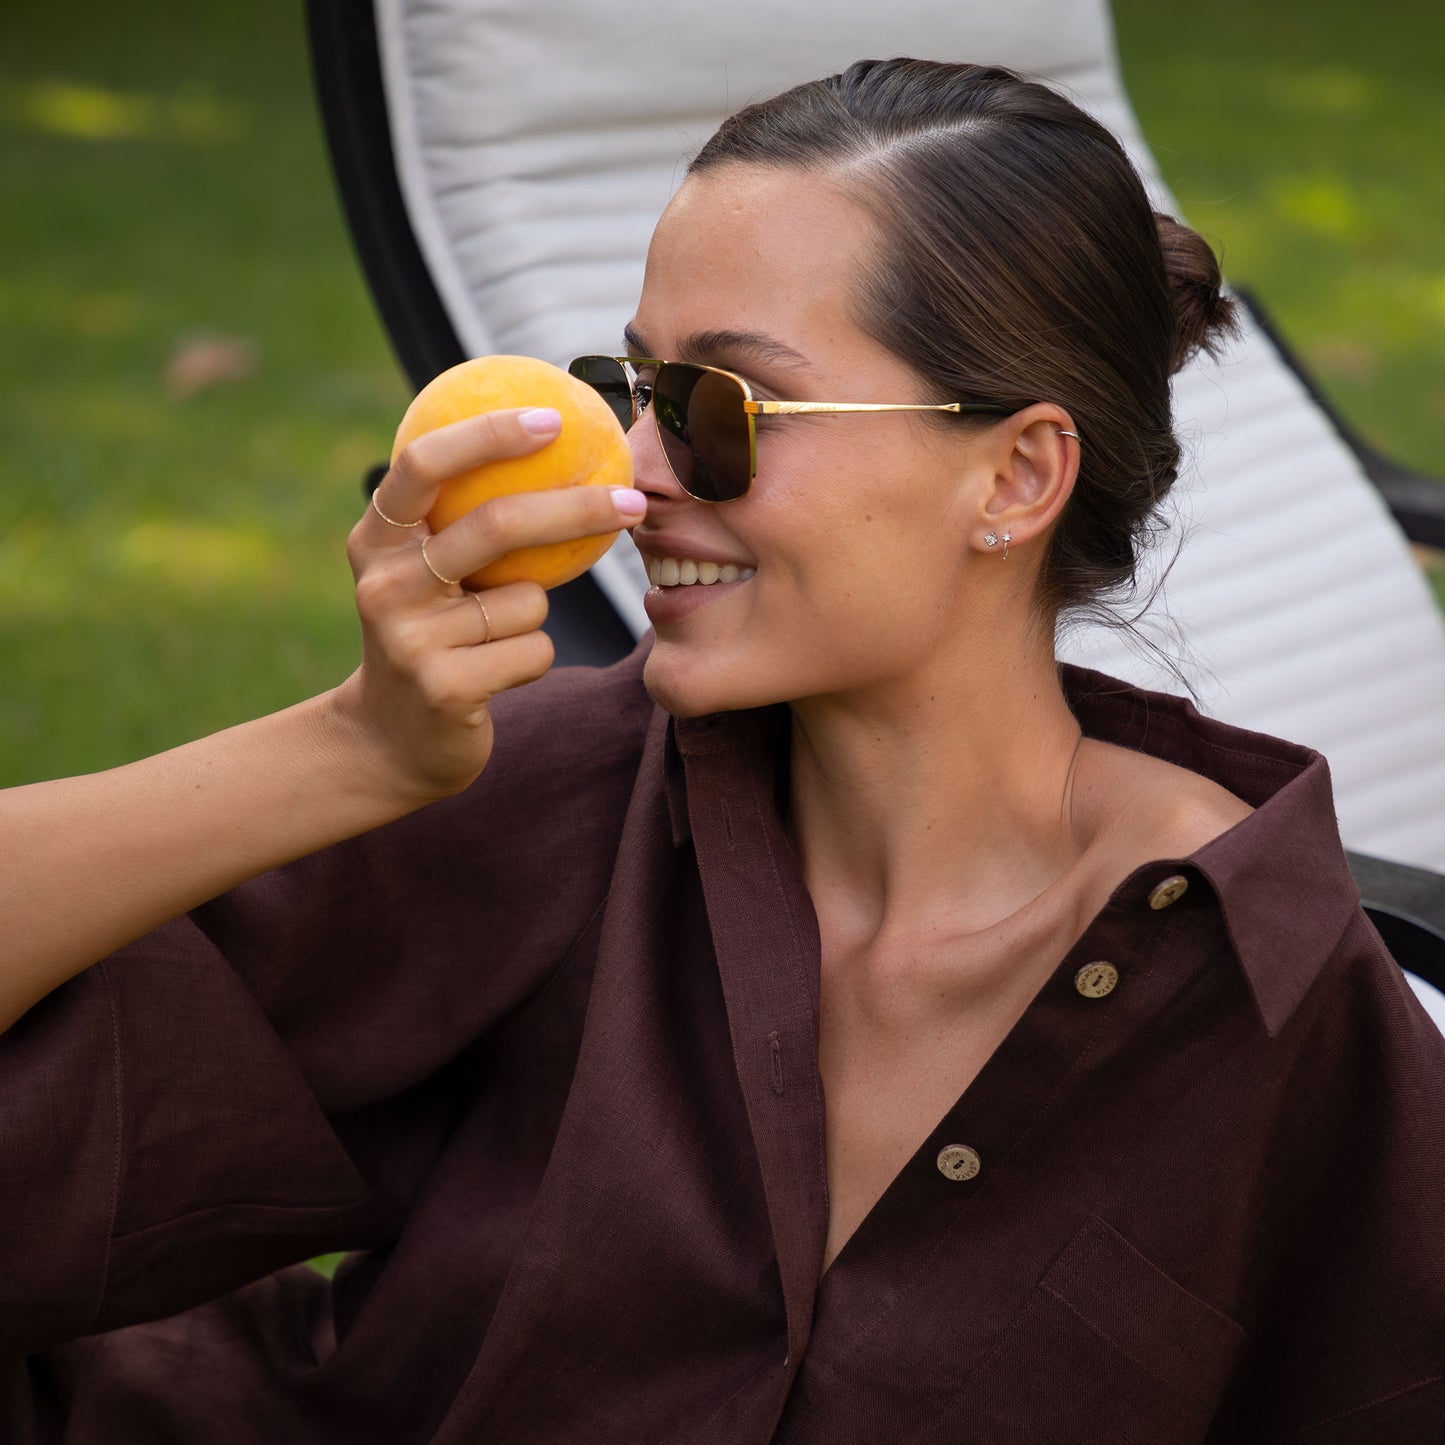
(726, 344)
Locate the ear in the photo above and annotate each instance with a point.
(1033, 474)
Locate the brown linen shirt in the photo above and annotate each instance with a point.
(545, 1057)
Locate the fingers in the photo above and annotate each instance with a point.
(409, 488)
(394, 523)
(479, 618)
(511, 662)
(531, 519)
(430, 669)
(433, 654)
(454, 687)
(477, 645)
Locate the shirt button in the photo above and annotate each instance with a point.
(958, 1161)
(1171, 890)
(1095, 980)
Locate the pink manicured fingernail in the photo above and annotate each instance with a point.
(629, 501)
(543, 420)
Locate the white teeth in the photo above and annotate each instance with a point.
(669, 572)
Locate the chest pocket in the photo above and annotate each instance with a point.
(1109, 1350)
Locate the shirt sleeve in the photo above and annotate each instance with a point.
(1350, 1340)
(269, 1077)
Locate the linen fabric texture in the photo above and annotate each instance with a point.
(543, 1059)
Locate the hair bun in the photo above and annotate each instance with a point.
(1204, 317)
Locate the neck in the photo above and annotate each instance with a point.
(937, 800)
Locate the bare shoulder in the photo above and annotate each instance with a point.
(1171, 810)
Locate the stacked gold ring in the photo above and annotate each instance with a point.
(446, 581)
(391, 521)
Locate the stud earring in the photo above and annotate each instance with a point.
(990, 539)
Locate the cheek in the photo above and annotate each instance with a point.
(866, 539)
(811, 500)
(880, 588)
(857, 575)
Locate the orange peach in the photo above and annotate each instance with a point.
(591, 450)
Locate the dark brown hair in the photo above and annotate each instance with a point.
(1022, 263)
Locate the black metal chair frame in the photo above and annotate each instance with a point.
(1406, 905)
(346, 64)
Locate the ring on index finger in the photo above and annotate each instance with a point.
(391, 521)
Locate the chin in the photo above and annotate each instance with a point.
(690, 685)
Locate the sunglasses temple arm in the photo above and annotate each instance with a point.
(803, 408)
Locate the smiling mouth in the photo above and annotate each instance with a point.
(672, 572)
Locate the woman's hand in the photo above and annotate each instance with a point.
(87, 864)
(434, 654)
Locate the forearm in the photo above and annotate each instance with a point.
(90, 863)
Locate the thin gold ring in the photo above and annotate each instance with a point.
(487, 621)
(391, 521)
(446, 581)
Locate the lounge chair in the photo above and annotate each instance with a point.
(502, 164)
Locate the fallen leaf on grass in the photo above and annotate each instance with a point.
(204, 360)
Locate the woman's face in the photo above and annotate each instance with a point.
(859, 528)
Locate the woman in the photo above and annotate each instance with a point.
(890, 1035)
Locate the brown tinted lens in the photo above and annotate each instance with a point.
(704, 431)
(608, 378)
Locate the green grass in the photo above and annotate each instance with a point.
(1304, 140)
(169, 567)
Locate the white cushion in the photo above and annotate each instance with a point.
(536, 146)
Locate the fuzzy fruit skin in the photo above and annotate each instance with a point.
(591, 449)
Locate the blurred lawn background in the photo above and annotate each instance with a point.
(194, 379)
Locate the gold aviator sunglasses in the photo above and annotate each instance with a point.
(706, 417)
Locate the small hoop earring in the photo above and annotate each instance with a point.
(990, 540)
(1073, 434)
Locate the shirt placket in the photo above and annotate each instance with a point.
(765, 936)
(961, 1189)
(955, 1208)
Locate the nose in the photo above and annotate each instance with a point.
(651, 473)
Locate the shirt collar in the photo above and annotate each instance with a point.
(1280, 876)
